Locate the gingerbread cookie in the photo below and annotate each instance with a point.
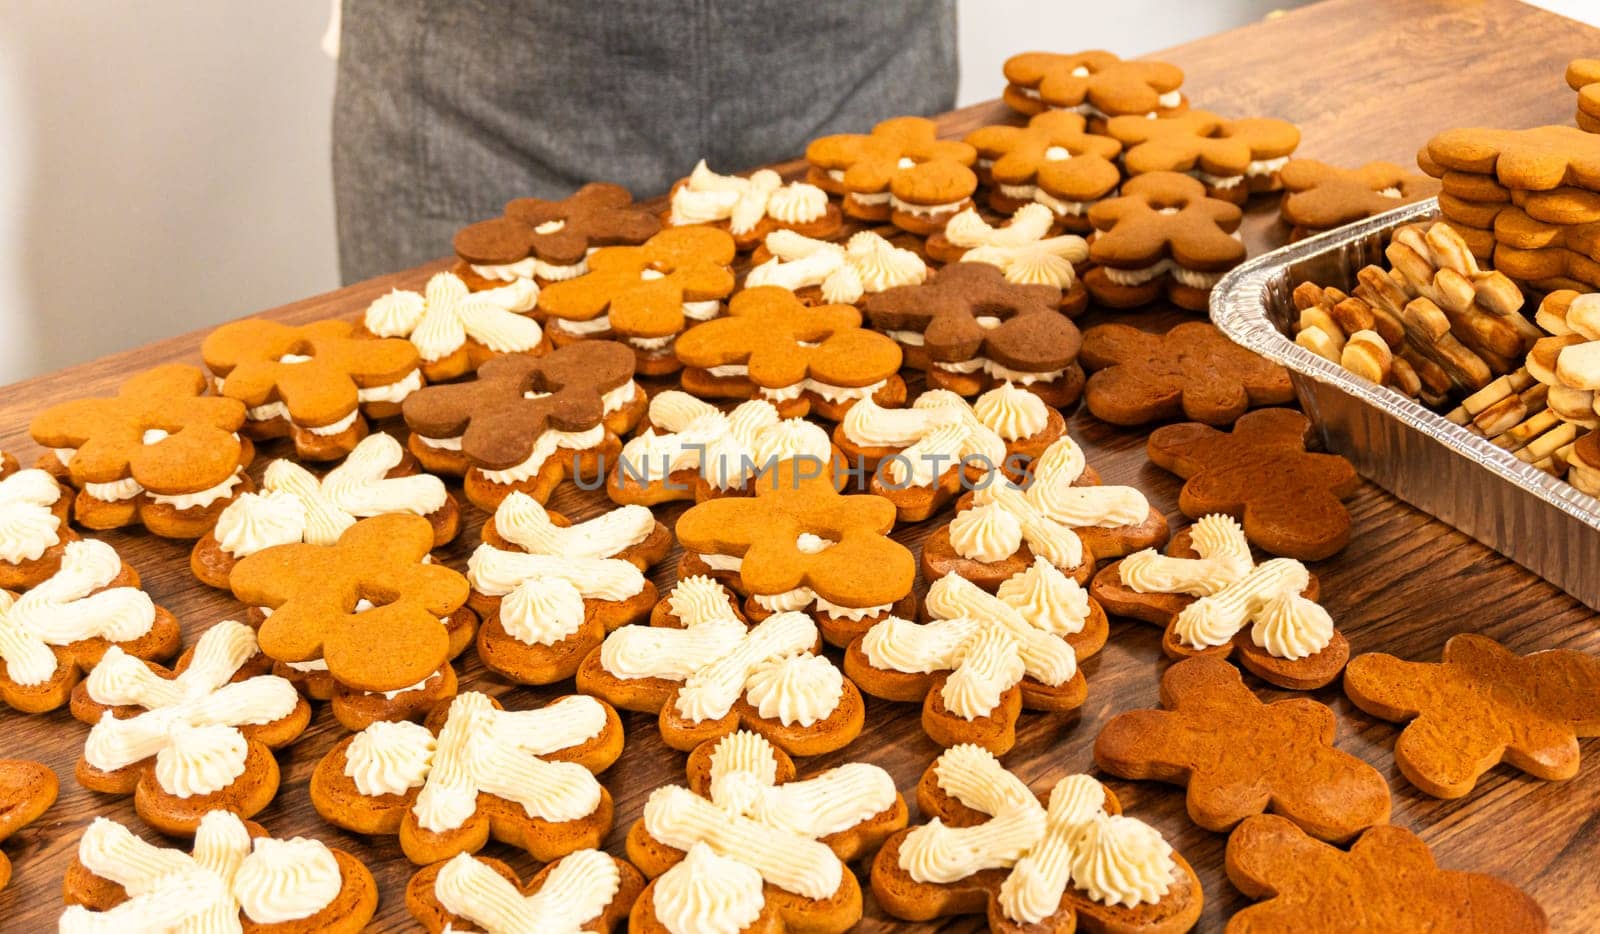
(33, 526)
(1583, 76)
(378, 478)
(1321, 197)
(970, 328)
(750, 208)
(1096, 84)
(1234, 158)
(1207, 591)
(694, 451)
(67, 624)
(1481, 705)
(819, 272)
(644, 295)
(749, 847)
(1387, 879)
(1019, 249)
(585, 890)
(159, 452)
(1537, 159)
(194, 738)
(550, 241)
(982, 658)
(312, 382)
(526, 424)
(705, 675)
(1239, 757)
(804, 360)
(1192, 371)
(549, 592)
(923, 457)
(901, 172)
(235, 877)
(798, 544)
(1163, 236)
(476, 770)
(1287, 498)
(27, 789)
(1059, 863)
(370, 613)
(1052, 152)
(999, 530)
(455, 330)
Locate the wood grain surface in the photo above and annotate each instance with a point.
(1365, 80)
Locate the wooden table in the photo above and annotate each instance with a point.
(1364, 80)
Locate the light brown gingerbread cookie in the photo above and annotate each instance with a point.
(1053, 152)
(900, 172)
(1095, 83)
(27, 789)
(1192, 371)
(1234, 158)
(550, 240)
(1319, 196)
(1162, 236)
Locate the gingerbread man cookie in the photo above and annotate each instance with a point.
(982, 658)
(1028, 862)
(476, 770)
(1096, 84)
(1213, 599)
(1482, 704)
(1387, 879)
(1053, 152)
(970, 329)
(1239, 757)
(235, 877)
(900, 172)
(549, 592)
(1321, 197)
(67, 624)
(1234, 158)
(644, 295)
(159, 452)
(1287, 498)
(804, 360)
(1192, 371)
(33, 526)
(585, 890)
(750, 208)
(749, 847)
(819, 272)
(194, 738)
(1163, 236)
(1019, 249)
(526, 424)
(1583, 76)
(455, 330)
(27, 789)
(311, 382)
(550, 241)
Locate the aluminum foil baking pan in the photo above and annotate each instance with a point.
(1531, 517)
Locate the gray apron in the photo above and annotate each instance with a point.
(446, 109)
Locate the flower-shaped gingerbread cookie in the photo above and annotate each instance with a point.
(585, 890)
(1287, 498)
(67, 624)
(370, 606)
(820, 272)
(1234, 158)
(33, 525)
(311, 382)
(1020, 249)
(804, 360)
(1052, 153)
(706, 675)
(551, 240)
(1096, 84)
(1481, 705)
(1213, 599)
(1240, 757)
(750, 208)
(900, 172)
(749, 847)
(799, 543)
(234, 878)
(1192, 371)
(526, 424)
(476, 770)
(455, 330)
(549, 591)
(378, 478)
(644, 295)
(1536, 159)
(1320, 197)
(191, 739)
(695, 451)
(971, 328)
(27, 789)
(982, 658)
(159, 452)
(1162, 236)
(1028, 862)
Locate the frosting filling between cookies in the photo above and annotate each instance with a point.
(1192, 278)
(1062, 206)
(201, 498)
(67, 607)
(544, 447)
(1217, 181)
(28, 525)
(1260, 167)
(925, 210)
(532, 266)
(827, 391)
(496, 573)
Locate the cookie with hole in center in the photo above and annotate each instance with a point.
(1234, 158)
(1054, 143)
(1096, 84)
(1163, 236)
(900, 172)
(539, 241)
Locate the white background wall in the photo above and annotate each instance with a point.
(164, 165)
